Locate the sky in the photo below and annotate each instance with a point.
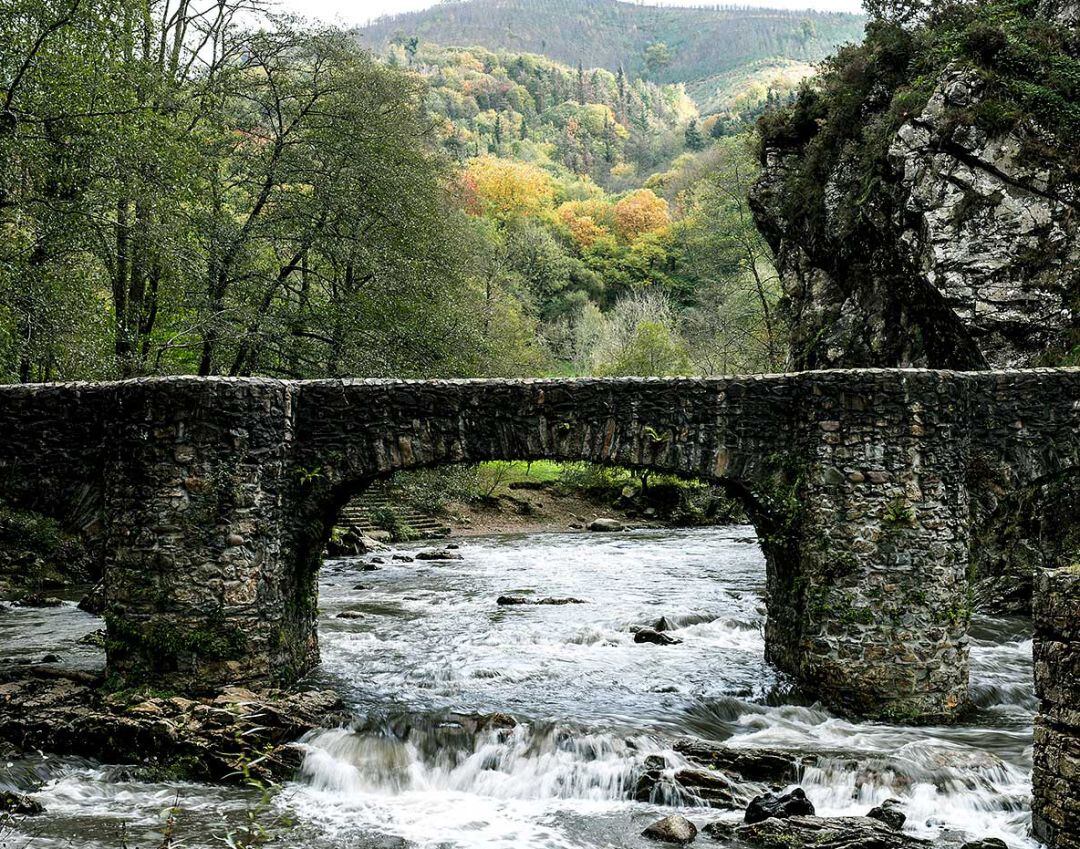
(361, 11)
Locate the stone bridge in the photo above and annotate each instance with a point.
(217, 497)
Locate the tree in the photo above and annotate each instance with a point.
(505, 190)
(657, 57)
(694, 139)
(639, 213)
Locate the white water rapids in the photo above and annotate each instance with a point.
(591, 706)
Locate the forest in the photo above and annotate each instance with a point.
(210, 189)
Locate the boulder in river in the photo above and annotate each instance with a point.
(771, 766)
(512, 600)
(673, 829)
(350, 614)
(605, 525)
(38, 600)
(704, 787)
(664, 624)
(986, 843)
(438, 554)
(650, 635)
(94, 601)
(779, 805)
(808, 832)
(890, 813)
(19, 805)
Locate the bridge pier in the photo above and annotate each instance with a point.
(197, 593)
(868, 598)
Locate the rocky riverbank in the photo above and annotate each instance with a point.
(222, 737)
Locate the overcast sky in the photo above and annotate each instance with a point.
(361, 11)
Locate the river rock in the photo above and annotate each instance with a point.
(94, 601)
(779, 805)
(673, 829)
(889, 813)
(650, 635)
(350, 543)
(402, 558)
(38, 600)
(605, 525)
(664, 624)
(19, 805)
(512, 600)
(438, 554)
(986, 843)
(350, 614)
(809, 832)
(771, 766)
(209, 738)
(703, 787)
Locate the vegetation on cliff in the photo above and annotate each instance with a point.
(1029, 66)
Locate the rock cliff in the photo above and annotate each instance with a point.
(941, 228)
(922, 200)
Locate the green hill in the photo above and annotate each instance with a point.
(664, 44)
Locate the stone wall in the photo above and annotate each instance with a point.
(1056, 778)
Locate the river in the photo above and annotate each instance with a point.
(591, 705)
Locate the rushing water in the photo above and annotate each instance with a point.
(591, 705)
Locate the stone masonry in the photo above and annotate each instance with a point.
(1056, 779)
(218, 495)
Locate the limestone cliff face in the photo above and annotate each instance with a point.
(974, 261)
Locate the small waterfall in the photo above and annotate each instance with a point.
(549, 762)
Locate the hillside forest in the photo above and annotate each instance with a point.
(212, 189)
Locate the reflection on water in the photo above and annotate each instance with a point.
(591, 705)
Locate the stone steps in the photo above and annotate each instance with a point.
(359, 512)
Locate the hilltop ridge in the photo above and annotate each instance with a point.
(665, 44)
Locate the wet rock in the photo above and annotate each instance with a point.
(350, 614)
(604, 525)
(38, 600)
(94, 638)
(779, 806)
(94, 601)
(649, 635)
(985, 843)
(68, 713)
(349, 543)
(402, 558)
(673, 829)
(51, 658)
(772, 766)
(890, 813)
(361, 587)
(664, 624)
(19, 805)
(476, 722)
(809, 832)
(512, 600)
(368, 567)
(378, 561)
(438, 554)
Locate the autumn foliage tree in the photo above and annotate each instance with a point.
(639, 213)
